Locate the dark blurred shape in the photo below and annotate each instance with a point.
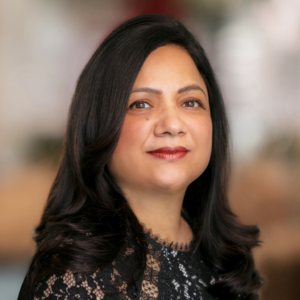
(43, 149)
(285, 146)
(282, 280)
(213, 12)
(174, 8)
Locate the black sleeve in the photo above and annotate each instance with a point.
(70, 286)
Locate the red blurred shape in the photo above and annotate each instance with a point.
(169, 7)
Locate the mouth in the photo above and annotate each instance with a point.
(169, 153)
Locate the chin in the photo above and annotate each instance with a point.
(170, 181)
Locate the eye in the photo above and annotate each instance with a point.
(140, 104)
(193, 103)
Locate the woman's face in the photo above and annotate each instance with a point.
(168, 107)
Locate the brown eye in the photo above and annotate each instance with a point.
(139, 105)
(192, 103)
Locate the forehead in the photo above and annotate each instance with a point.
(169, 65)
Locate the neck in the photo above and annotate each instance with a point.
(161, 213)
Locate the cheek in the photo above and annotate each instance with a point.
(202, 138)
(127, 155)
(202, 132)
(131, 138)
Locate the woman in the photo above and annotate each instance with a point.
(139, 208)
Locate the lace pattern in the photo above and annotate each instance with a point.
(169, 274)
(149, 288)
(166, 243)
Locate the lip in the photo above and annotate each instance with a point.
(169, 150)
(169, 153)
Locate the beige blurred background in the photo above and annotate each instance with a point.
(254, 47)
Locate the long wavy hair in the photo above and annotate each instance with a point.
(86, 218)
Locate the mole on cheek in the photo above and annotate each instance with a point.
(147, 119)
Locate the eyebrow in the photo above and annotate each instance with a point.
(147, 90)
(193, 87)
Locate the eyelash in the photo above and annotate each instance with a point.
(138, 102)
(194, 100)
(189, 100)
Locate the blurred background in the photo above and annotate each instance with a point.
(254, 47)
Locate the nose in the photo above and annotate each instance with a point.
(170, 122)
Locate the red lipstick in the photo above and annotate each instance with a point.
(169, 153)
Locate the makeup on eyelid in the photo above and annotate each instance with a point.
(189, 100)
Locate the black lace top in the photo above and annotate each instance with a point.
(172, 272)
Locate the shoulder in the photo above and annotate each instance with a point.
(71, 286)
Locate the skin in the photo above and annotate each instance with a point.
(155, 187)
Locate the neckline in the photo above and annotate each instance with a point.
(181, 247)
